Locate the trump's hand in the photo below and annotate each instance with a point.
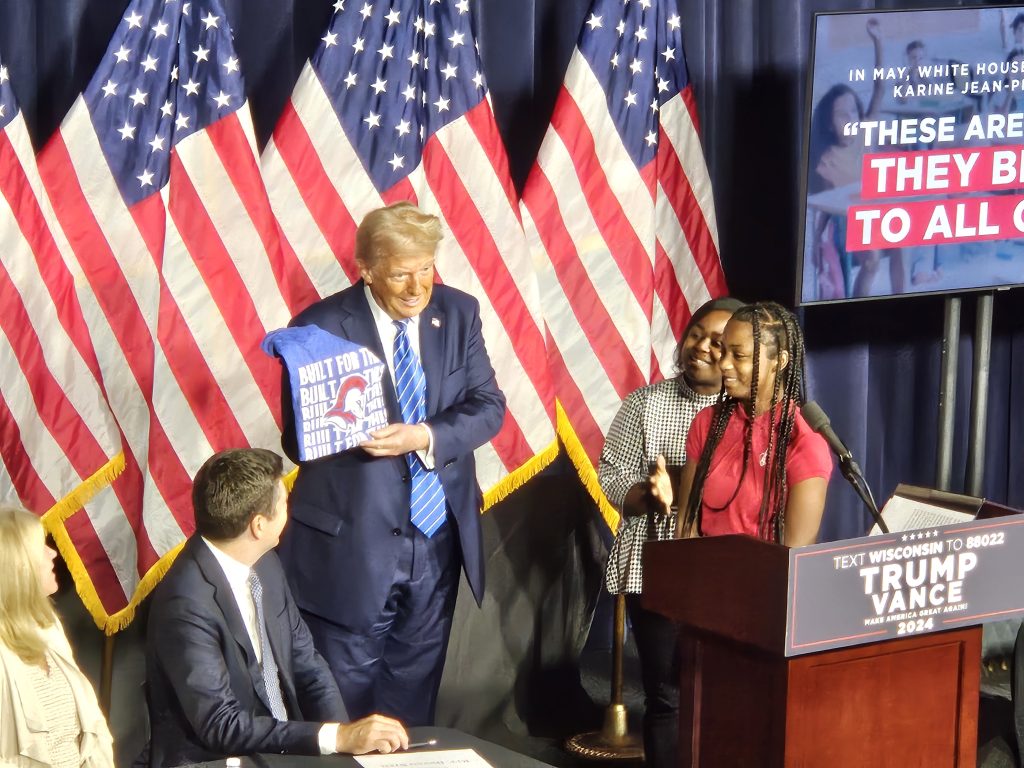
(397, 440)
(375, 732)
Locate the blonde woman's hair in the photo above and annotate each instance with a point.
(25, 609)
(398, 228)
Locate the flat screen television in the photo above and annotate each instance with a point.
(914, 154)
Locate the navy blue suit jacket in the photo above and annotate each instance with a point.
(204, 686)
(340, 549)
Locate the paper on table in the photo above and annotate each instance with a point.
(903, 514)
(439, 758)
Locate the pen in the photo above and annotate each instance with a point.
(427, 743)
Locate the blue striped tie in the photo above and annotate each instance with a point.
(268, 666)
(427, 502)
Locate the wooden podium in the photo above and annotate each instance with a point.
(902, 702)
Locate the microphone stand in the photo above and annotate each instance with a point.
(851, 471)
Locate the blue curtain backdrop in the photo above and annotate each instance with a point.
(874, 367)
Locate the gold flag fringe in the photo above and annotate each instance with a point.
(53, 521)
(585, 468)
(518, 477)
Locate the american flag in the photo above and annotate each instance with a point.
(393, 106)
(179, 266)
(59, 443)
(620, 218)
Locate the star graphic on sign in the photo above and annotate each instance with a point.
(449, 71)
(366, 11)
(904, 537)
(167, 108)
(630, 99)
(121, 54)
(139, 97)
(393, 17)
(442, 104)
(201, 54)
(372, 120)
(396, 162)
(157, 143)
(402, 127)
(222, 99)
(210, 21)
(181, 122)
(126, 131)
(145, 179)
(669, 54)
(160, 28)
(191, 87)
(331, 38)
(651, 139)
(636, 66)
(110, 89)
(350, 79)
(231, 65)
(385, 51)
(673, 21)
(594, 22)
(457, 39)
(149, 64)
(380, 86)
(134, 20)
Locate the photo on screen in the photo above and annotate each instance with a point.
(914, 154)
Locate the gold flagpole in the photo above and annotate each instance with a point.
(613, 741)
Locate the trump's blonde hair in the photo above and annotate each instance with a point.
(25, 608)
(396, 229)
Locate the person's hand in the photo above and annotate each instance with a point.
(397, 440)
(874, 29)
(373, 733)
(660, 487)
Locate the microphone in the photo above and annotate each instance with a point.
(818, 421)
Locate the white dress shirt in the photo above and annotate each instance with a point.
(237, 575)
(386, 331)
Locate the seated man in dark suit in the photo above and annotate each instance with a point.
(230, 664)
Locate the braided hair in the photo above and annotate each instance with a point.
(776, 329)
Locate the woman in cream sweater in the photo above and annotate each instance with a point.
(48, 710)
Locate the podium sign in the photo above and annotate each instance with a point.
(903, 584)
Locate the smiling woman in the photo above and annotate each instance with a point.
(761, 470)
